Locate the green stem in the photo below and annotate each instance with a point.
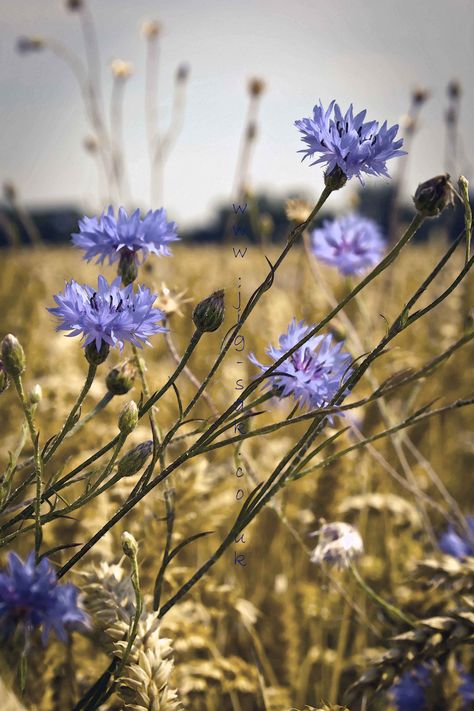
(393, 611)
(69, 424)
(34, 436)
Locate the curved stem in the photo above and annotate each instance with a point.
(69, 424)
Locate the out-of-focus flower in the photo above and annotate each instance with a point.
(170, 301)
(108, 314)
(111, 237)
(410, 691)
(151, 28)
(338, 544)
(25, 45)
(455, 544)
(351, 243)
(312, 374)
(121, 69)
(31, 597)
(347, 143)
(297, 210)
(466, 690)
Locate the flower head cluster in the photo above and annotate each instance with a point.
(351, 243)
(346, 142)
(459, 546)
(312, 374)
(31, 597)
(109, 314)
(338, 543)
(110, 237)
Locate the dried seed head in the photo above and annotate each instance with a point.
(454, 89)
(151, 28)
(209, 314)
(13, 356)
(182, 72)
(133, 461)
(420, 95)
(256, 86)
(91, 144)
(297, 210)
(128, 418)
(170, 301)
(120, 380)
(121, 69)
(74, 5)
(434, 195)
(129, 545)
(9, 191)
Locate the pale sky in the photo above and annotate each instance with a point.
(369, 52)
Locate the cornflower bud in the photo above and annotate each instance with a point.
(4, 382)
(128, 418)
(209, 314)
(120, 380)
(129, 545)
(36, 394)
(94, 356)
(133, 461)
(434, 195)
(13, 356)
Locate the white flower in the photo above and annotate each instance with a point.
(338, 544)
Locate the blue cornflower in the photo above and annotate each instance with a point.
(410, 691)
(109, 314)
(31, 597)
(459, 546)
(113, 237)
(351, 243)
(312, 374)
(466, 690)
(347, 142)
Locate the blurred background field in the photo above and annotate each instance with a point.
(221, 84)
(279, 614)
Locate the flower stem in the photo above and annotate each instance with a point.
(392, 610)
(69, 424)
(38, 459)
